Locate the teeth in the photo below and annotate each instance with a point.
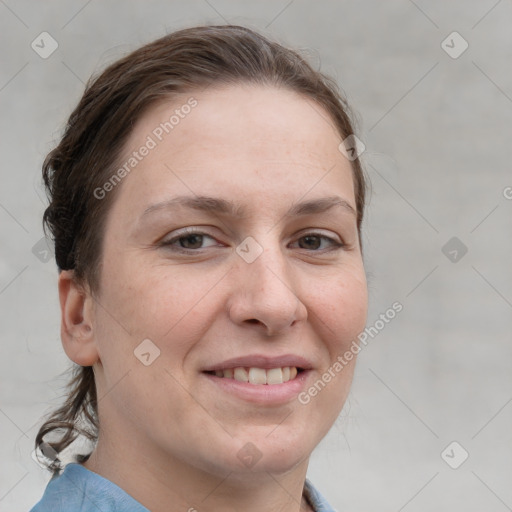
(275, 376)
(241, 375)
(259, 376)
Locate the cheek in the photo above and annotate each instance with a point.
(339, 316)
(171, 306)
(149, 299)
(340, 307)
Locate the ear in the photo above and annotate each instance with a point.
(77, 320)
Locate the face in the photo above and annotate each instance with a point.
(231, 244)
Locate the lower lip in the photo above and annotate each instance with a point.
(264, 394)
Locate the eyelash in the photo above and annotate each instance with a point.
(189, 232)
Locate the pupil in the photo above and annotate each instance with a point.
(314, 239)
(197, 245)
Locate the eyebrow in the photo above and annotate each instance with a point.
(223, 206)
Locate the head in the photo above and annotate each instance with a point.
(202, 212)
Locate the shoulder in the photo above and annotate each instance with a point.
(77, 489)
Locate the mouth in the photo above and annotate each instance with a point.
(261, 379)
(258, 376)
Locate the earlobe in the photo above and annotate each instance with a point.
(77, 320)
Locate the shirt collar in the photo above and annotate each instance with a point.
(315, 499)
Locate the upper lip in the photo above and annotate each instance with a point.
(261, 361)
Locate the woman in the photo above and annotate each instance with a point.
(206, 212)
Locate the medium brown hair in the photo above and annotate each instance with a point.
(95, 136)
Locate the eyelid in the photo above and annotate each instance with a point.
(184, 233)
(321, 233)
(335, 244)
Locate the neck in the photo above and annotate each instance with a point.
(156, 480)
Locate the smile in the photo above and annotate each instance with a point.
(258, 376)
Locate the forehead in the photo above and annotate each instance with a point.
(236, 140)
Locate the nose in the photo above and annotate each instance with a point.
(265, 293)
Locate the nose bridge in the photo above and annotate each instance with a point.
(272, 274)
(266, 289)
(269, 267)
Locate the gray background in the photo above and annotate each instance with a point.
(437, 131)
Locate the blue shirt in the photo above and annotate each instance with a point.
(77, 489)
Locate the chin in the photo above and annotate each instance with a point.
(272, 453)
(281, 464)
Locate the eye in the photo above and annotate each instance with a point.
(188, 240)
(313, 241)
(192, 240)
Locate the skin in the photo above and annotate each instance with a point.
(168, 435)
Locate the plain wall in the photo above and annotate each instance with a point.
(437, 131)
